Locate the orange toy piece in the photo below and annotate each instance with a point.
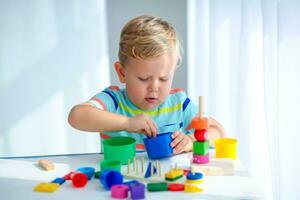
(198, 123)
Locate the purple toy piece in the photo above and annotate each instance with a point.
(137, 191)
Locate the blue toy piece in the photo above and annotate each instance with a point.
(159, 146)
(137, 191)
(148, 171)
(109, 178)
(130, 182)
(194, 176)
(60, 181)
(89, 171)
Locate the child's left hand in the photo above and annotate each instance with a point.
(181, 142)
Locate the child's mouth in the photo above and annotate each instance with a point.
(151, 100)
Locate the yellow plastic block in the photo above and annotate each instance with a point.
(192, 188)
(194, 181)
(46, 187)
(174, 173)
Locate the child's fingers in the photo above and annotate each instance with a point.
(180, 147)
(178, 136)
(152, 127)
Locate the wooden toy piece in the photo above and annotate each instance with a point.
(109, 178)
(216, 167)
(201, 147)
(128, 166)
(134, 163)
(201, 107)
(142, 163)
(200, 159)
(59, 181)
(198, 123)
(151, 169)
(154, 187)
(192, 188)
(174, 174)
(137, 191)
(200, 134)
(194, 175)
(46, 164)
(46, 187)
(89, 171)
(194, 181)
(175, 187)
(79, 179)
(148, 171)
(119, 191)
(158, 168)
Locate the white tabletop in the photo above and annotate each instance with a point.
(19, 176)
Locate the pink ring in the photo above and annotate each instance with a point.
(201, 159)
(119, 191)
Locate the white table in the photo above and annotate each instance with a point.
(19, 176)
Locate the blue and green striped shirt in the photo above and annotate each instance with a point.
(175, 113)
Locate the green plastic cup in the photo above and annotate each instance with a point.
(110, 164)
(119, 148)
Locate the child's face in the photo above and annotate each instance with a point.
(148, 82)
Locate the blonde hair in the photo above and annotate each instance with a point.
(147, 36)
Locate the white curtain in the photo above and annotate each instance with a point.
(242, 57)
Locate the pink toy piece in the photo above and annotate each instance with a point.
(119, 191)
(201, 159)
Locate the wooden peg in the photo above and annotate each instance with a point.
(201, 107)
(142, 163)
(46, 164)
(128, 166)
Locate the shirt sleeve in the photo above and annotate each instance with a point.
(105, 100)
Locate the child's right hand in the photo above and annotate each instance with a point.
(142, 123)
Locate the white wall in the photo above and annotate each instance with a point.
(53, 55)
(119, 12)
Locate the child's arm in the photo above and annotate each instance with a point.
(87, 117)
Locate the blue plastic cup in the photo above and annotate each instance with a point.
(159, 146)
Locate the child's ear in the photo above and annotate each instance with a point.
(120, 71)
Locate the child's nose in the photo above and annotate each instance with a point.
(153, 87)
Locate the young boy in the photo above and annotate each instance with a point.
(149, 54)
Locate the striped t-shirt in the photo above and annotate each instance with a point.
(175, 113)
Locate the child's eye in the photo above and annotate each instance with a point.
(142, 79)
(163, 79)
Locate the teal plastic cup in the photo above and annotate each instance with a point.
(119, 148)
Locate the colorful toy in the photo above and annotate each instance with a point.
(174, 174)
(89, 171)
(175, 187)
(111, 164)
(192, 188)
(119, 148)
(79, 179)
(109, 178)
(119, 191)
(201, 146)
(137, 191)
(46, 187)
(59, 181)
(226, 148)
(159, 146)
(154, 187)
(46, 164)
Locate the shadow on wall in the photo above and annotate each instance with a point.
(47, 48)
